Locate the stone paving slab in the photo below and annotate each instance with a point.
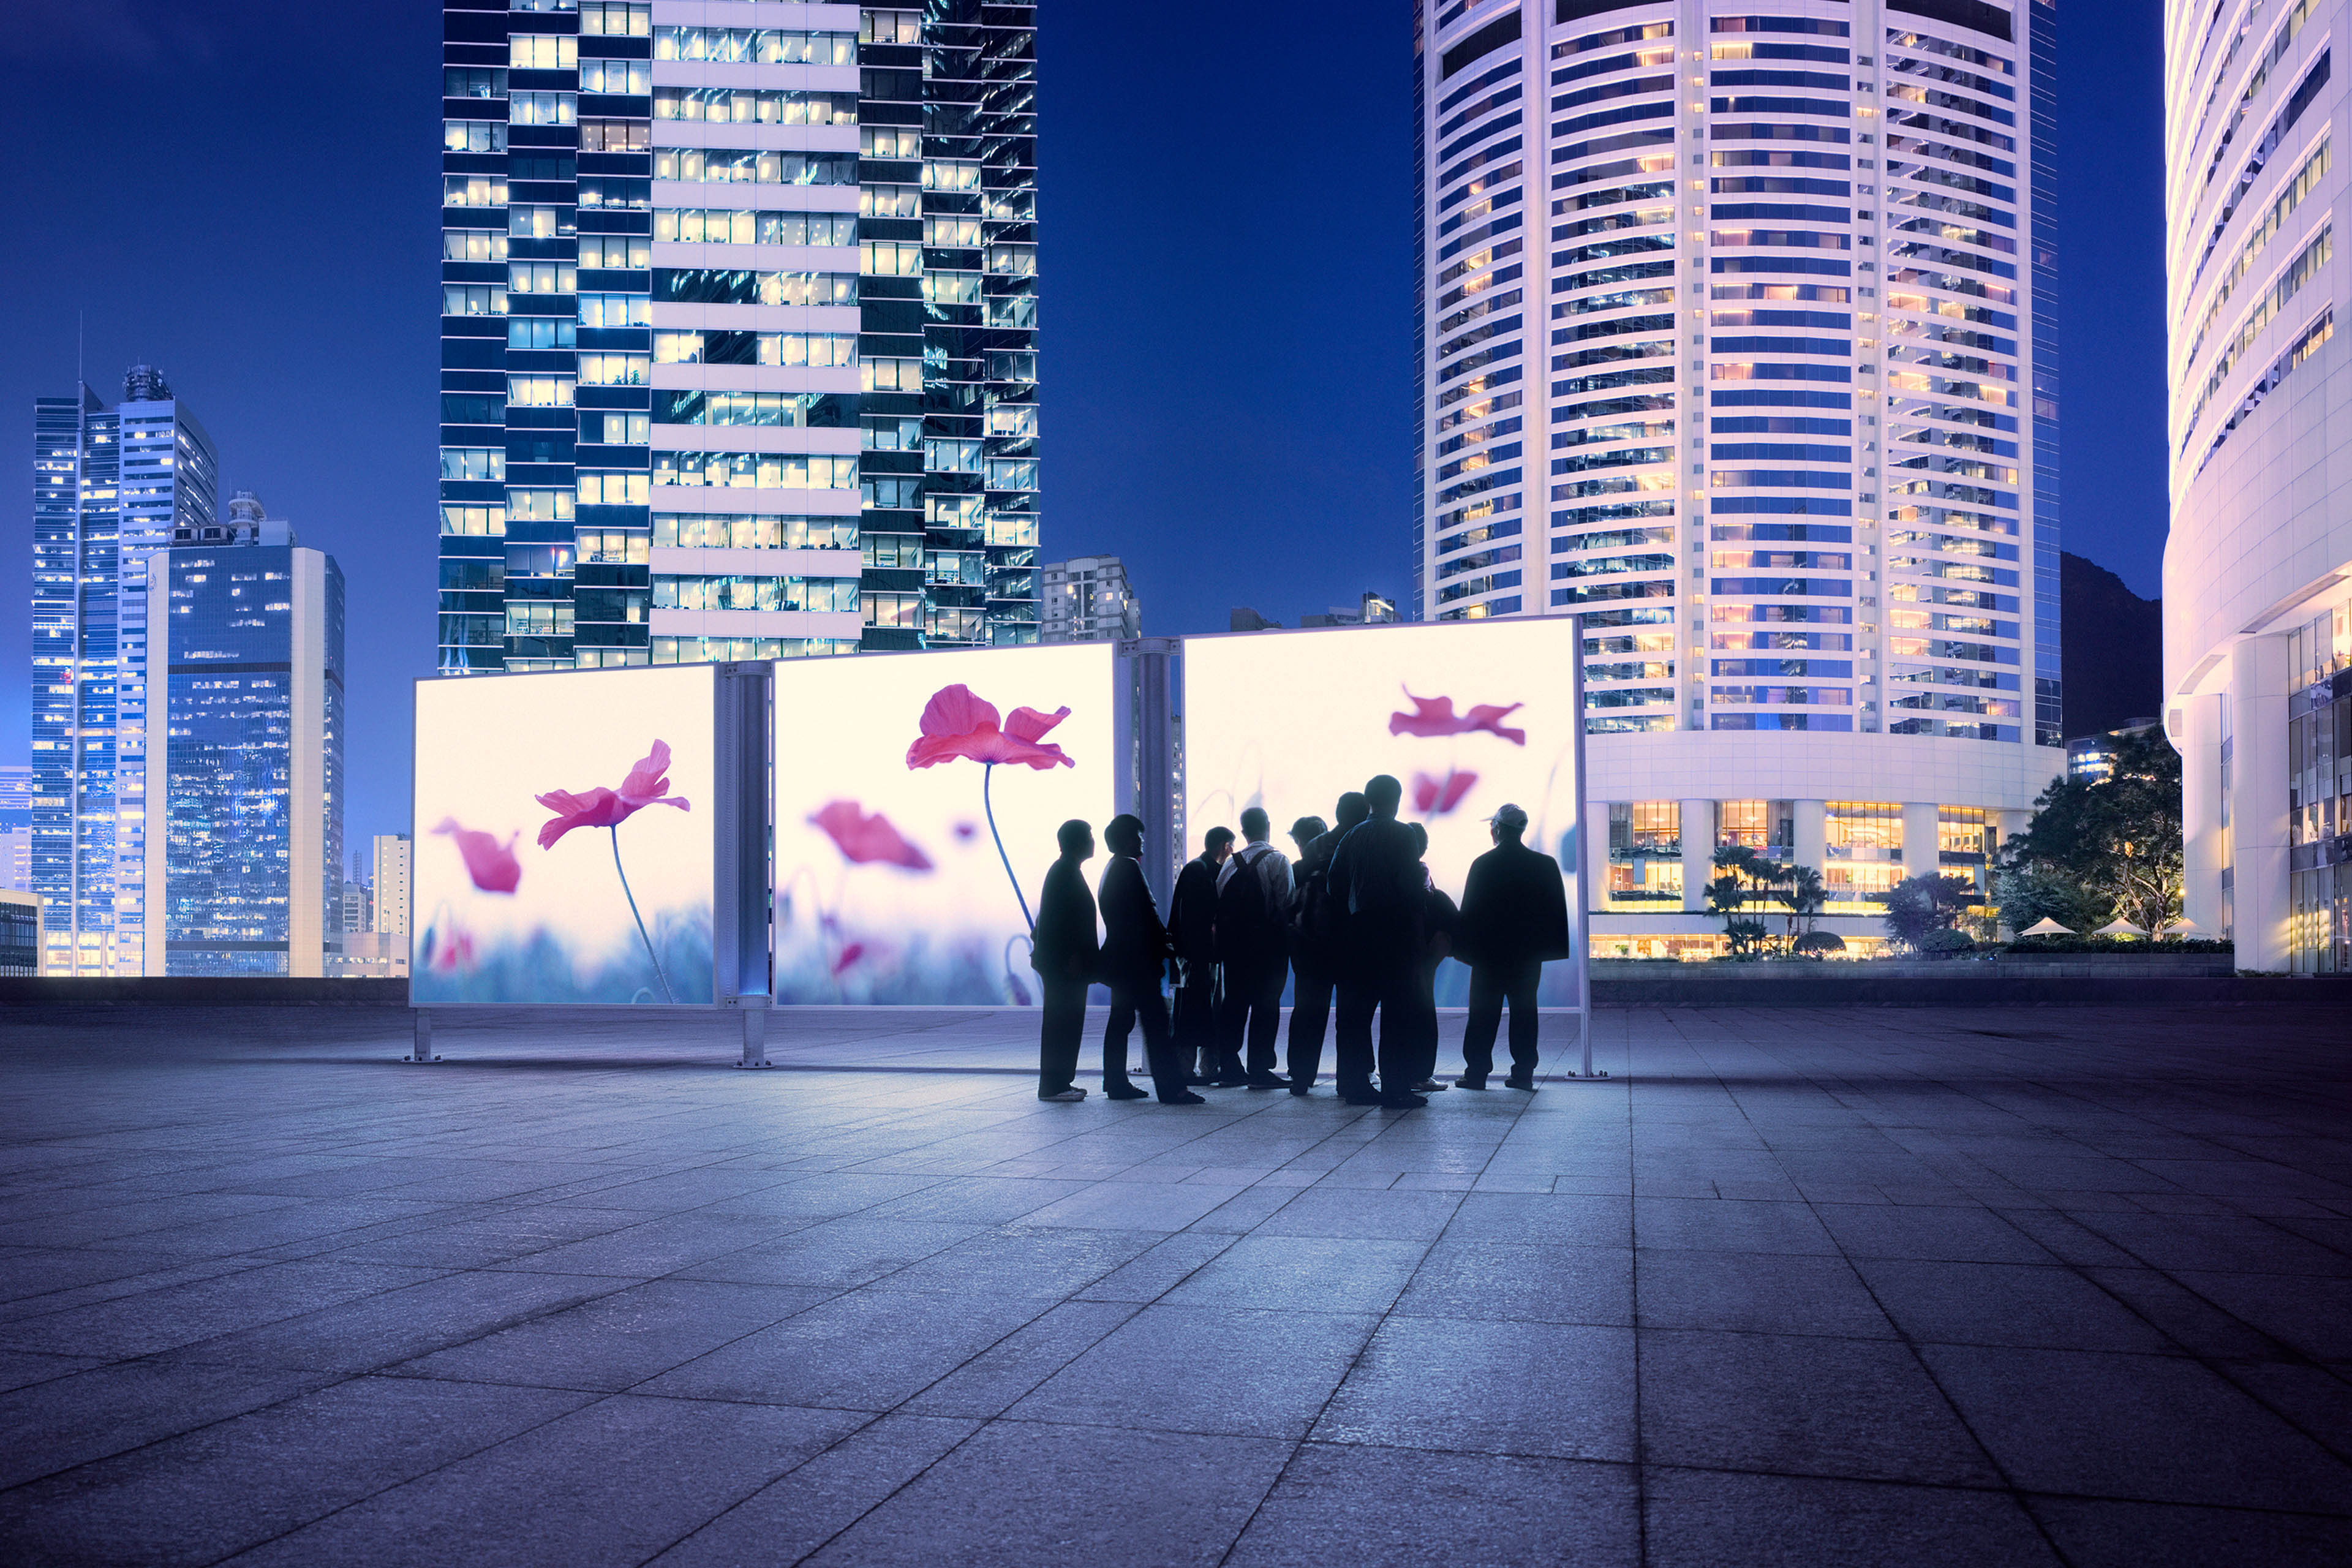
(1811, 1288)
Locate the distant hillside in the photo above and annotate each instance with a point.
(2113, 642)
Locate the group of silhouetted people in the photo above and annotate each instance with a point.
(1356, 917)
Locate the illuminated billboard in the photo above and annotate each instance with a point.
(1465, 715)
(563, 848)
(917, 797)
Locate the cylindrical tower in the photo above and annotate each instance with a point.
(1735, 338)
(2258, 567)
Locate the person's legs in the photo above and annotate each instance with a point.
(1266, 1024)
(1064, 1020)
(1399, 999)
(1352, 1044)
(1310, 1011)
(1425, 1005)
(1478, 1032)
(1526, 1025)
(1159, 1046)
(1195, 1027)
(1232, 1021)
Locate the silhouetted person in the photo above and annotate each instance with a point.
(1432, 945)
(1314, 945)
(1135, 950)
(1063, 951)
(1376, 879)
(1514, 918)
(1193, 921)
(1254, 949)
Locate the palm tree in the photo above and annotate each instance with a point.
(1804, 893)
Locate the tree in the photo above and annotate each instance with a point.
(2116, 843)
(1920, 908)
(1803, 890)
(1744, 873)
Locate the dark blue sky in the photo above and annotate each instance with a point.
(244, 195)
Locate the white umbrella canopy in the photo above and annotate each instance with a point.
(2120, 927)
(2183, 927)
(2045, 926)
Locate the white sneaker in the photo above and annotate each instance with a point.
(1067, 1097)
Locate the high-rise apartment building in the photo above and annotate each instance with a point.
(390, 887)
(1088, 599)
(244, 860)
(112, 485)
(1735, 320)
(738, 331)
(2258, 566)
(16, 827)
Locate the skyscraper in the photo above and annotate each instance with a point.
(2258, 566)
(16, 827)
(739, 333)
(1088, 599)
(1736, 339)
(244, 858)
(112, 485)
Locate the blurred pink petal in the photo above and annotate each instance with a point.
(864, 839)
(1020, 992)
(967, 830)
(955, 723)
(1434, 716)
(849, 956)
(455, 954)
(1433, 798)
(491, 865)
(602, 807)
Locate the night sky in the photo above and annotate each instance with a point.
(244, 195)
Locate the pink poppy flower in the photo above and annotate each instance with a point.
(955, 723)
(1434, 797)
(864, 839)
(849, 956)
(602, 807)
(456, 953)
(491, 865)
(1434, 716)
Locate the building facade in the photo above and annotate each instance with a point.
(1736, 340)
(16, 827)
(2258, 566)
(738, 331)
(20, 932)
(244, 860)
(112, 485)
(1088, 599)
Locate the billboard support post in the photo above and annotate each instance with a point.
(1147, 788)
(422, 1051)
(1580, 912)
(742, 881)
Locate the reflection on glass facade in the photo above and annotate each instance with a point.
(696, 273)
(250, 787)
(111, 485)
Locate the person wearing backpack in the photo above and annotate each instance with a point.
(1253, 947)
(1192, 923)
(1377, 882)
(1314, 951)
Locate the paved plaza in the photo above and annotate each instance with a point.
(1789, 1287)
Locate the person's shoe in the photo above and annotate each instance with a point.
(1193, 1078)
(1230, 1083)
(1430, 1086)
(1360, 1096)
(1516, 1081)
(1125, 1092)
(1070, 1096)
(1268, 1080)
(1403, 1102)
(1466, 1081)
(1187, 1098)
(1300, 1090)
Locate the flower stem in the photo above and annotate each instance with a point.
(666, 993)
(988, 772)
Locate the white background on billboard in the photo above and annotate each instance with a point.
(1290, 720)
(486, 747)
(879, 931)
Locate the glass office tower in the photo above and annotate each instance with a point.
(111, 483)
(245, 858)
(1735, 320)
(738, 331)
